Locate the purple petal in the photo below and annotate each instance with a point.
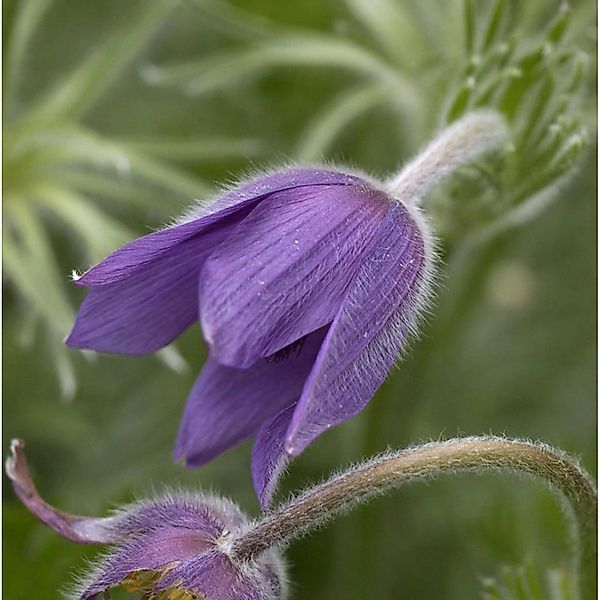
(285, 270)
(206, 513)
(164, 536)
(145, 294)
(370, 330)
(157, 300)
(174, 549)
(135, 256)
(215, 577)
(148, 552)
(83, 530)
(227, 405)
(285, 179)
(269, 457)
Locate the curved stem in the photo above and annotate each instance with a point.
(342, 492)
(461, 143)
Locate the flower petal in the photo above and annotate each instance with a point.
(269, 457)
(160, 537)
(206, 513)
(227, 405)
(144, 560)
(156, 301)
(278, 181)
(370, 330)
(83, 530)
(145, 294)
(215, 577)
(284, 271)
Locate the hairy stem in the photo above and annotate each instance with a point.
(342, 492)
(460, 143)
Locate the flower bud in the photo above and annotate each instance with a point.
(178, 548)
(175, 547)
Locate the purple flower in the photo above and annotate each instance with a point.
(307, 284)
(177, 547)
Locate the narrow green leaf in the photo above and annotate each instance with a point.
(134, 192)
(78, 90)
(493, 26)
(29, 13)
(99, 233)
(30, 265)
(578, 69)
(392, 27)
(460, 102)
(469, 25)
(232, 21)
(207, 75)
(529, 67)
(534, 582)
(320, 133)
(544, 130)
(197, 149)
(64, 368)
(558, 27)
(76, 146)
(535, 109)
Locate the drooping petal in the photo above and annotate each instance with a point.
(370, 331)
(83, 530)
(227, 405)
(145, 294)
(135, 255)
(278, 181)
(215, 577)
(154, 303)
(269, 457)
(284, 271)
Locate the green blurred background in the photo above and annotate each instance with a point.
(117, 114)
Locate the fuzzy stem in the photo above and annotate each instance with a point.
(460, 143)
(342, 492)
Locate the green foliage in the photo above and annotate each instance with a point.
(430, 63)
(525, 583)
(61, 176)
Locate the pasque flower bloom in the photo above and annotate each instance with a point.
(307, 283)
(175, 547)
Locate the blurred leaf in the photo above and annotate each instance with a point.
(29, 262)
(29, 13)
(99, 232)
(320, 133)
(231, 20)
(61, 176)
(307, 50)
(71, 96)
(535, 77)
(528, 583)
(192, 150)
(394, 28)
